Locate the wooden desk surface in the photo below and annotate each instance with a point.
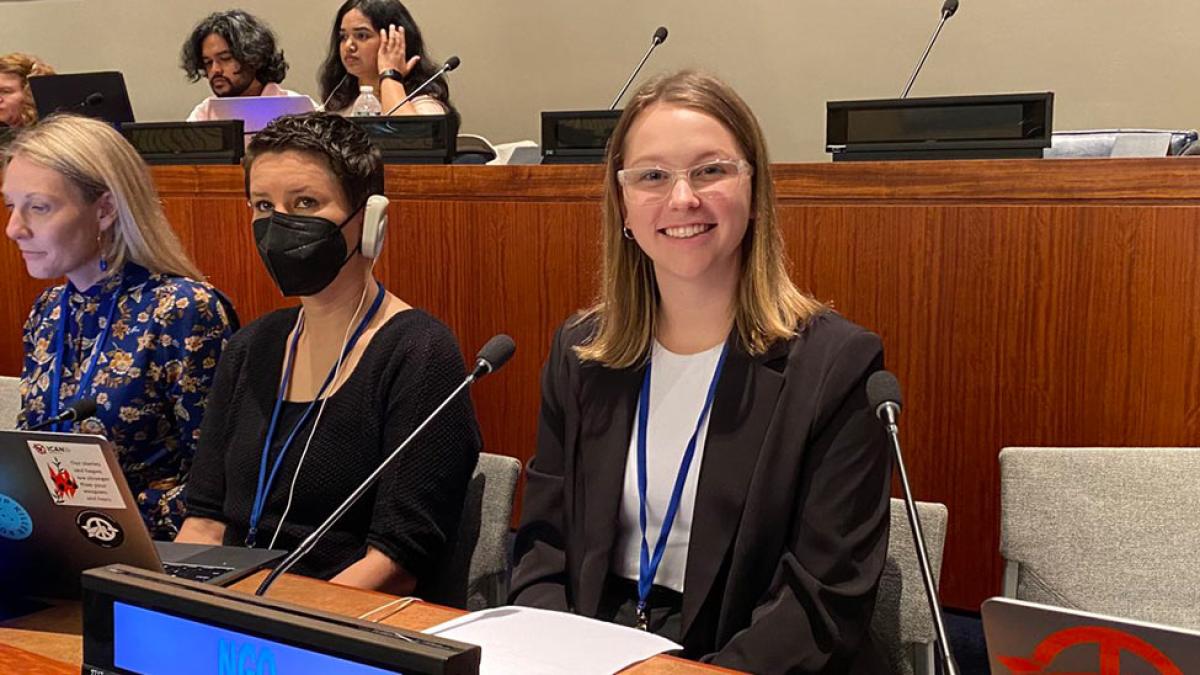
(49, 641)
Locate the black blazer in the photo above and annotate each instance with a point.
(791, 516)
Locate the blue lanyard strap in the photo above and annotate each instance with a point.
(265, 480)
(648, 565)
(56, 373)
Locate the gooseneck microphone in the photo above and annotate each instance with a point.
(494, 354)
(79, 410)
(949, 7)
(883, 394)
(660, 36)
(321, 108)
(451, 64)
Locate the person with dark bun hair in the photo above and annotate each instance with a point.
(238, 54)
(377, 43)
(309, 400)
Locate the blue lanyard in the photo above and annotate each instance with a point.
(265, 480)
(648, 566)
(85, 382)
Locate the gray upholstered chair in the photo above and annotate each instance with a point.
(10, 401)
(901, 624)
(1108, 530)
(475, 576)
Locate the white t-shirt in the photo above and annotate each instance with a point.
(678, 387)
(203, 113)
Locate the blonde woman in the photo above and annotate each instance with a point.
(707, 465)
(16, 101)
(133, 327)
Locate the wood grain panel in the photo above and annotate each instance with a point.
(14, 660)
(1020, 302)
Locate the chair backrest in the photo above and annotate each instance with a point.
(10, 401)
(901, 625)
(475, 574)
(1106, 530)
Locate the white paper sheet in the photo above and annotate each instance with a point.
(541, 642)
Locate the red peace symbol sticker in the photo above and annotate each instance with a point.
(1110, 643)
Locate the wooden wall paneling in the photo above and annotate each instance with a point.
(1013, 325)
(493, 267)
(17, 293)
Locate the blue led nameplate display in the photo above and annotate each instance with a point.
(150, 642)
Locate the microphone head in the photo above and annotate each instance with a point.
(452, 63)
(660, 35)
(93, 99)
(882, 387)
(83, 408)
(949, 8)
(494, 354)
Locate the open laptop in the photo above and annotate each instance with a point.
(257, 112)
(101, 95)
(65, 507)
(1025, 637)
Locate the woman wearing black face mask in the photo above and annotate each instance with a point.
(307, 402)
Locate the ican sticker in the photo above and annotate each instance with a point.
(100, 529)
(76, 474)
(15, 522)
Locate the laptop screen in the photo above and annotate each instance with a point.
(256, 112)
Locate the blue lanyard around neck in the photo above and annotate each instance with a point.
(265, 480)
(60, 335)
(648, 565)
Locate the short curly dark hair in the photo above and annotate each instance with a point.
(251, 40)
(345, 147)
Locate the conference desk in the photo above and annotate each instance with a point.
(1020, 302)
(49, 642)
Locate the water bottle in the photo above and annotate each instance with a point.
(366, 105)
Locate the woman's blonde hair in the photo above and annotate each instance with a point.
(768, 306)
(98, 161)
(25, 66)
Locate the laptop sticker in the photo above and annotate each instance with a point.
(15, 523)
(76, 474)
(99, 529)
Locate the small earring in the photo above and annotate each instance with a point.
(103, 260)
(627, 233)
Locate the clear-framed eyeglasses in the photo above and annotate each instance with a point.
(652, 184)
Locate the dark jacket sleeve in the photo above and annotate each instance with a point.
(204, 495)
(419, 499)
(818, 607)
(540, 576)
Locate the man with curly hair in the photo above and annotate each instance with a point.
(239, 56)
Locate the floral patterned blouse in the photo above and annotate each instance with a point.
(150, 382)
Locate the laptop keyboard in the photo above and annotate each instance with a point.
(201, 573)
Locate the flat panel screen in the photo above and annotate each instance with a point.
(984, 123)
(201, 649)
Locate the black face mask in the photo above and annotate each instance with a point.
(303, 254)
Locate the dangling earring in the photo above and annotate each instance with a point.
(103, 259)
(627, 233)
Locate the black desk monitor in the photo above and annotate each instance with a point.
(100, 95)
(412, 139)
(145, 623)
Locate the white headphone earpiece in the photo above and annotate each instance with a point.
(375, 220)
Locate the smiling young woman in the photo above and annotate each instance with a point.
(708, 467)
